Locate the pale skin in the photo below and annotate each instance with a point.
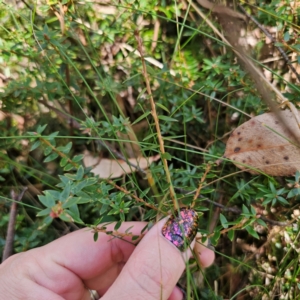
(69, 266)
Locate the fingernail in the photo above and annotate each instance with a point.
(181, 229)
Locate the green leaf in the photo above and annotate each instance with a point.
(65, 149)
(96, 235)
(65, 194)
(266, 201)
(294, 192)
(253, 211)
(47, 150)
(118, 225)
(65, 216)
(80, 173)
(282, 200)
(122, 216)
(68, 167)
(64, 179)
(162, 107)
(105, 201)
(52, 135)
(245, 209)
(78, 158)
(2, 178)
(63, 161)
(166, 156)
(214, 239)
(252, 231)
(47, 200)
(272, 187)
(85, 183)
(278, 44)
(128, 229)
(83, 200)
(104, 209)
(167, 119)
(74, 211)
(35, 145)
(150, 136)
(261, 222)
(51, 157)
(71, 201)
(286, 36)
(47, 221)
(143, 116)
(231, 235)
(224, 221)
(55, 194)
(144, 193)
(40, 128)
(44, 212)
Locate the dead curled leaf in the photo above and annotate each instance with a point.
(114, 168)
(268, 143)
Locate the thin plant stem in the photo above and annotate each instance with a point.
(9, 245)
(155, 117)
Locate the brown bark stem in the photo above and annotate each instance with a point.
(9, 245)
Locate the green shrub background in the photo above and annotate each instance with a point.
(71, 81)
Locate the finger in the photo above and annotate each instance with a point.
(16, 284)
(153, 269)
(102, 282)
(177, 294)
(80, 254)
(66, 265)
(206, 255)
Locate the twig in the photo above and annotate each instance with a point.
(155, 117)
(120, 235)
(132, 195)
(9, 244)
(234, 210)
(265, 31)
(208, 167)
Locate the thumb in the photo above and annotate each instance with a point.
(158, 261)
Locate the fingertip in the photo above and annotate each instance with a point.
(177, 294)
(206, 255)
(154, 267)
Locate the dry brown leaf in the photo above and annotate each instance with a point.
(113, 168)
(266, 144)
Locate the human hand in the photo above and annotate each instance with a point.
(68, 267)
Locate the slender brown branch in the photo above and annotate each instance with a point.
(234, 210)
(132, 195)
(155, 117)
(119, 235)
(9, 244)
(208, 167)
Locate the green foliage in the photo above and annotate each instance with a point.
(75, 83)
